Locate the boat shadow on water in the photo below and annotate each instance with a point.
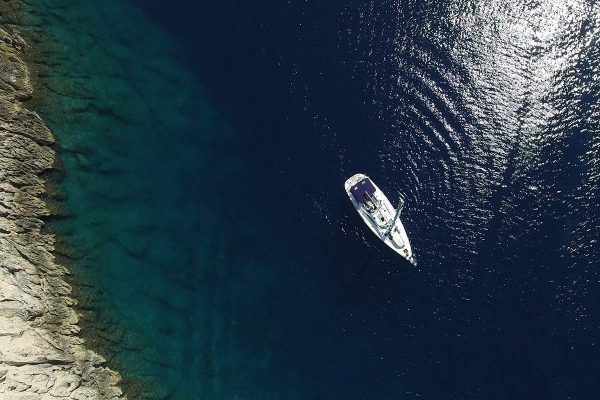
(367, 273)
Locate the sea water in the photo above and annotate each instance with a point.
(165, 270)
(213, 248)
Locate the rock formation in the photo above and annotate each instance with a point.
(41, 356)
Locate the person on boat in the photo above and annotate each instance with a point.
(369, 203)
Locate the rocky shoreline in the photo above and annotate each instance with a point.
(41, 354)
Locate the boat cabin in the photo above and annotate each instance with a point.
(363, 192)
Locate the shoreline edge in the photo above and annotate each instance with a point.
(41, 354)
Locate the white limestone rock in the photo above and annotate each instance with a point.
(41, 356)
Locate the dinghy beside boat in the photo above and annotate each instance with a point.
(379, 214)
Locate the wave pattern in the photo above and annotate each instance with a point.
(490, 120)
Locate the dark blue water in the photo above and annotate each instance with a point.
(205, 169)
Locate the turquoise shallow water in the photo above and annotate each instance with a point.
(152, 246)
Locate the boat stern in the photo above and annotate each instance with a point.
(353, 180)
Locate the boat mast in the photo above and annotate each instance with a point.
(398, 210)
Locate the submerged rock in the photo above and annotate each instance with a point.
(41, 356)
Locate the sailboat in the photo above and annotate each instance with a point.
(379, 214)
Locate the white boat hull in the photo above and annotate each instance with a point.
(380, 219)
